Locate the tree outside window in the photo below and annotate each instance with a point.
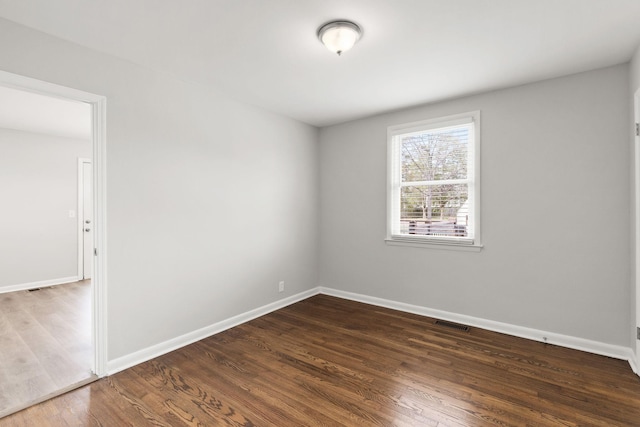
(433, 169)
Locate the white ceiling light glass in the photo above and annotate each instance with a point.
(339, 36)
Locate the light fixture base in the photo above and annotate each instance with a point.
(340, 35)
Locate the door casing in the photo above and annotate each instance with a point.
(636, 149)
(99, 277)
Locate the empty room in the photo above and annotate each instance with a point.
(327, 212)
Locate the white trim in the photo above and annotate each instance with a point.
(99, 140)
(41, 87)
(438, 182)
(157, 350)
(596, 347)
(632, 362)
(433, 244)
(99, 265)
(453, 120)
(636, 280)
(39, 284)
(581, 344)
(394, 181)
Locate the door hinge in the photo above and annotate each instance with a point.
(637, 129)
(638, 332)
(95, 251)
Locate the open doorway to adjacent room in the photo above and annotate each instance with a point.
(48, 295)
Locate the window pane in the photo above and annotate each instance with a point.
(435, 210)
(435, 155)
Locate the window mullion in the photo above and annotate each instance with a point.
(435, 182)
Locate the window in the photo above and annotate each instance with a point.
(434, 171)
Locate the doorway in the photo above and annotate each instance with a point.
(90, 285)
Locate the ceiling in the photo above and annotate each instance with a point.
(266, 53)
(31, 112)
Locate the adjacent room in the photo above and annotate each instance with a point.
(46, 247)
(326, 212)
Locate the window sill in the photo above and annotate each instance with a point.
(414, 243)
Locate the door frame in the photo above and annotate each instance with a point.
(80, 215)
(99, 144)
(636, 196)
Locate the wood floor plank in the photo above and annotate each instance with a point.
(45, 342)
(330, 362)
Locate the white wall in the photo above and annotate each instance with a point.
(38, 188)
(210, 202)
(555, 211)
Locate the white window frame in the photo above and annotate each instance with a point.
(394, 177)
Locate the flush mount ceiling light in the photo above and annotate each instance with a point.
(339, 36)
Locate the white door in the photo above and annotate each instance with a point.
(86, 216)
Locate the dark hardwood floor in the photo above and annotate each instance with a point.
(328, 362)
(45, 343)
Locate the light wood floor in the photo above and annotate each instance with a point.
(45, 342)
(330, 362)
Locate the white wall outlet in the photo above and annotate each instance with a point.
(281, 286)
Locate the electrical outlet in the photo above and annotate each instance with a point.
(281, 286)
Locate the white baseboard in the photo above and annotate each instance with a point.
(596, 347)
(40, 284)
(124, 362)
(632, 362)
(604, 349)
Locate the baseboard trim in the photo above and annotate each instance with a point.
(124, 362)
(40, 284)
(596, 347)
(632, 362)
(604, 349)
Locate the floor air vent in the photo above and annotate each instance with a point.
(452, 325)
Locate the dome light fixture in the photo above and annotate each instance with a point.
(339, 36)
